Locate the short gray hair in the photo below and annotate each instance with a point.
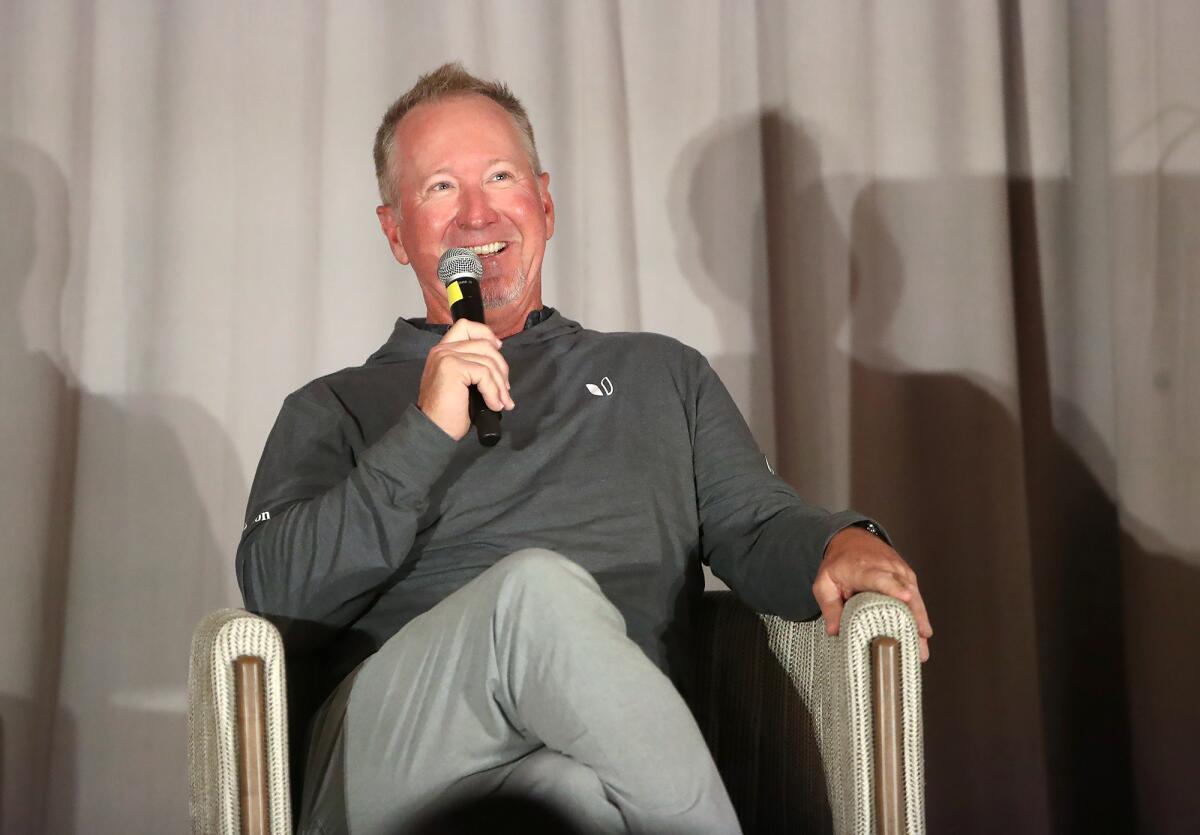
(445, 82)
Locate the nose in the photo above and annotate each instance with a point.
(474, 209)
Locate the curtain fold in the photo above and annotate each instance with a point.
(943, 255)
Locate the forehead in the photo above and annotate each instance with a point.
(454, 132)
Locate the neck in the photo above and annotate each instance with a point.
(509, 320)
(504, 321)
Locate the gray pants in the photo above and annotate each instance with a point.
(521, 684)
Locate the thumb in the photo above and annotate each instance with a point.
(829, 598)
(465, 329)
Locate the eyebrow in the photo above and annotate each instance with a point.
(446, 169)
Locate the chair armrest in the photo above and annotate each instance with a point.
(867, 617)
(237, 654)
(787, 711)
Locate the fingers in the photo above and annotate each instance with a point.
(902, 585)
(833, 602)
(899, 586)
(856, 561)
(492, 384)
(476, 341)
(468, 355)
(479, 365)
(889, 583)
(471, 353)
(917, 605)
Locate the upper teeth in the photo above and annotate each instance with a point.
(488, 249)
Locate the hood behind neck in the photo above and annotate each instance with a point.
(410, 341)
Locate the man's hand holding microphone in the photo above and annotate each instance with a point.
(465, 379)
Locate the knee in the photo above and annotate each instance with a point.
(543, 585)
(541, 568)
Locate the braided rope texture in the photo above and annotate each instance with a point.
(786, 710)
(218, 641)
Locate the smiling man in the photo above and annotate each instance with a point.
(462, 174)
(513, 622)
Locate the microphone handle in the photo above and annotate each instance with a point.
(486, 421)
(466, 302)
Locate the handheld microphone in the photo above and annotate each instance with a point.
(460, 270)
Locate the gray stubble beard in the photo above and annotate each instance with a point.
(492, 301)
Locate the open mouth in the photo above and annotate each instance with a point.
(489, 249)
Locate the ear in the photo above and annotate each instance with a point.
(389, 223)
(547, 202)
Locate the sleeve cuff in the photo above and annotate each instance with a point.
(852, 519)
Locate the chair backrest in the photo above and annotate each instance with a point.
(760, 717)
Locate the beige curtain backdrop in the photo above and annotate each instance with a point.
(944, 254)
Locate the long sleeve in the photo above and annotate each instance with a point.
(756, 533)
(330, 520)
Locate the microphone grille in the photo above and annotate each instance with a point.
(457, 262)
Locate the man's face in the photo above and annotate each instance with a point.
(463, 179)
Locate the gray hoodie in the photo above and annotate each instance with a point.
(625, 453)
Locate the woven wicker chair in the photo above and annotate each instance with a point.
(811, 733)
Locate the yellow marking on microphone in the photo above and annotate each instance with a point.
(454, 292)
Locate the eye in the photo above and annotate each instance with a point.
(441, 185)
(501, 176)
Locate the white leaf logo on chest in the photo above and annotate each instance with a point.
(603, 390)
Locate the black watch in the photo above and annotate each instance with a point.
(871, 528)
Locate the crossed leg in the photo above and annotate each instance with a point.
(523, 682)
